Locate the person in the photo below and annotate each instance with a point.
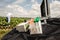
(8, 17)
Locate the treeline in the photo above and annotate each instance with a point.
(14, 21)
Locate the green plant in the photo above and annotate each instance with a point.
(14, 21)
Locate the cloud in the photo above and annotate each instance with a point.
(55, 9)
(35, 10)
(18, 10)
(3, 3)
(18, 1)
(32, 0)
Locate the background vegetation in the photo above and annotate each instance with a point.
(3, 24)
(13, 23)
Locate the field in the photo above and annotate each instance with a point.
(4, 32)
(5, 27)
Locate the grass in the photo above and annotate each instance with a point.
(4, 32)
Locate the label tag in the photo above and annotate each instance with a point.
(36, 28)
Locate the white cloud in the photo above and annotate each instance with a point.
(55, 9)
(33, 0)
(35, 11)
(18, 1)
(18, 9)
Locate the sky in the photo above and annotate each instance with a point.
(55, 9)
(21, 8)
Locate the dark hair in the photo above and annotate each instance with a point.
(24, 20)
